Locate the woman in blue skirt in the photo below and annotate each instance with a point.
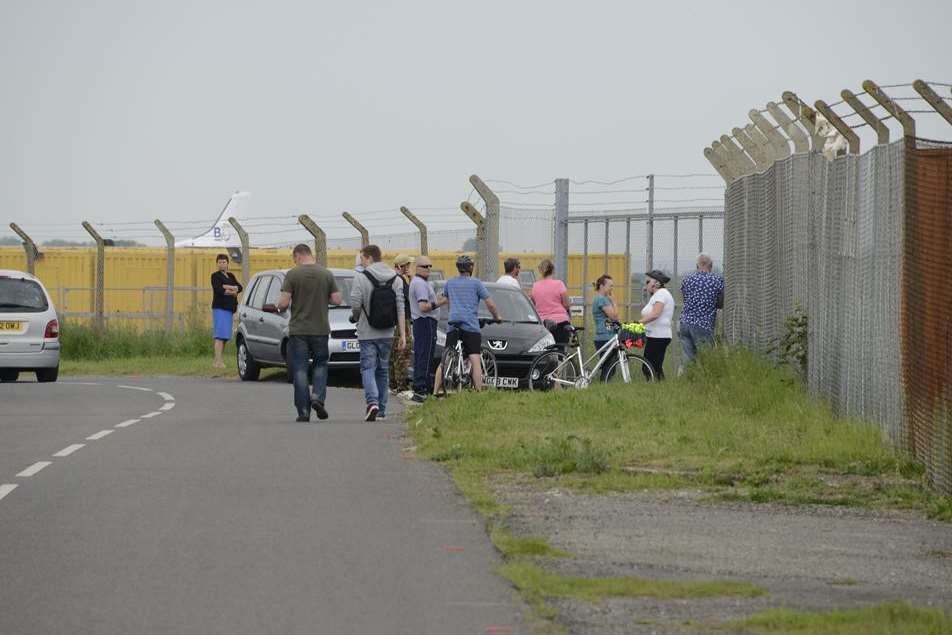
(225, 290)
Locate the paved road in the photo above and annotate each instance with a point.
(220, 514)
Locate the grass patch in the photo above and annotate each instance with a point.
(523, 547)
(734, 425)
(533, 580)
(79, 342)
(891, 619)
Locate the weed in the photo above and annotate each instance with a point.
(883, 619)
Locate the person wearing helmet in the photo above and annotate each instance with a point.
(463, 295)
(656, 316)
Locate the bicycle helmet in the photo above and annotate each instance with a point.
(658, 275)
(464, 263)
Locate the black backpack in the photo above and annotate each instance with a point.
(383, 303)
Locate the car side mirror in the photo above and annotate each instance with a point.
(270, 308)
(548, 324)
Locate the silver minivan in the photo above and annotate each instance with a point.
(262, 335)
(29, 329)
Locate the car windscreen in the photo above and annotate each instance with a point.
(18, 295)
(513, 305)
(344, 284)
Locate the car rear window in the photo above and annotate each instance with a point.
(18, 295)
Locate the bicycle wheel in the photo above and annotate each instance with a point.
(490, 369)
(452, 380)
(638, 370)
(550, 369)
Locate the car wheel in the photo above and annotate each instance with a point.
(248, 369)
(45, 375)
(9, 375)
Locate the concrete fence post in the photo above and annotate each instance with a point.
(364, 234)
(874, 122)
(755, 150)
(741, 160)
(99, 291)
(560, 241)
(778, 143)
(245, 249)
(851, 137)
(490, 266)
(650, 239)
(719, 164)
(800, 141)
(421, 226)
(894, 109)
(32, 251)
(480, 223)
(320, 238)
(807, 118)
(933, 99)
(169, 275)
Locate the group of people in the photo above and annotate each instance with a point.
(388, 307)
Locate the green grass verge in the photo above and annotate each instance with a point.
(158, 366)
(80, 342)
(734, 425)
(885, 619)
(534, 580)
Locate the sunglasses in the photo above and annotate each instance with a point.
(425, 266)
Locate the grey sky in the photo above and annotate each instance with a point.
(124, 111)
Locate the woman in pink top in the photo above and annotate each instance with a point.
(551, 300)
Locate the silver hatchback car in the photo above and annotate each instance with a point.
(262, 335)
(29, 329)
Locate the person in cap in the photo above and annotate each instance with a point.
(657, 315)
(400, 359)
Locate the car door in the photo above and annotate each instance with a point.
(272, 324)
(253, 317)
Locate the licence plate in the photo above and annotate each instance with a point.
(507, 382)
(10, 326)
(350, 346)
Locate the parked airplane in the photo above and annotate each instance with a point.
(222, 234)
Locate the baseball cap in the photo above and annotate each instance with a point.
(402, 259)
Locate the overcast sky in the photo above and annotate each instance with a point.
(125, 111)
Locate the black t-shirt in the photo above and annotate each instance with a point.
(219, 299)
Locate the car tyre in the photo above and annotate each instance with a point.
(9, 376)
(248, 368)
(47, 375)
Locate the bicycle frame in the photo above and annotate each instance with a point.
(602, 354)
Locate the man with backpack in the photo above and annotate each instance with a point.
(376, 300)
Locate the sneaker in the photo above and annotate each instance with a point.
(381, 417)
(319, 409)
(372, 411)
(418, 398)
(304, 418)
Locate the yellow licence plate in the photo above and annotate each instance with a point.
(9, 326)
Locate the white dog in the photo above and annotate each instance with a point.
(835, 144)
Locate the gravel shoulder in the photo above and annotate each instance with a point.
(808, 558)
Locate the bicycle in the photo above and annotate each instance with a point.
(457, 369)
(554, 369)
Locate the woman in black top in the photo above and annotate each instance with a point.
(225, 290)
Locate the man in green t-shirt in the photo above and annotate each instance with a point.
(312, 288)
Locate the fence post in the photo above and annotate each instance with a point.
(480, 222)
(650, 239)
(364, 234)
(894, 109)
(424, 242)
(755, 150)
(32, 252)
(169, 275)
(584, 285)
(728, 158)
(320, 239)
(882, 132)
(674, 272)
(933, 99)
(806, 116)
(762, 143)
(561, 238)
(741, 160)
(628, 269)
(245, 249)
(99, 297)
(799, 138)
(605, 256)
(718, 163)
(851, 137)
(491, 228)
(700, 233)
(778, 142)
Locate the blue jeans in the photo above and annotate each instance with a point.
(693, 337)
(375, 371)
(424, 347)
(307, 354)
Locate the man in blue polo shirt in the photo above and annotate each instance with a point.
(703, 294)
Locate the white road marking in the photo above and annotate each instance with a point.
(150, 415)
(70, 449)
(6, 488)
(36, 467)
(166, 396)
(99, 435)
(167, 406)
(136, 388)
(126, 424)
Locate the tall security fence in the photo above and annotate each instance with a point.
(860, 242)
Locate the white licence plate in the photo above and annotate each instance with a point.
(350, 346)
(507, 382)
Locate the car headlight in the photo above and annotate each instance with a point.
(440, 338)
(546, 341)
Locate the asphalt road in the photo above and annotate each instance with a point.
(220, 514)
